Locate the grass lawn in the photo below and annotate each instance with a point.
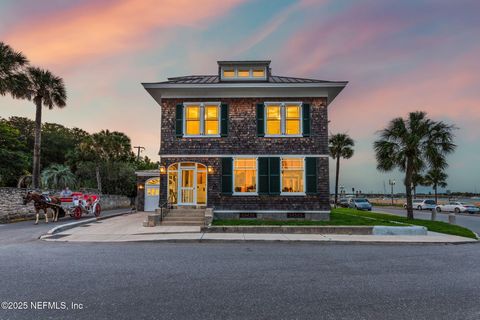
(435, 226)
(351, 217)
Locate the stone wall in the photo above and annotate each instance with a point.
(12, 208)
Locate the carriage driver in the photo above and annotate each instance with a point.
(66, 192)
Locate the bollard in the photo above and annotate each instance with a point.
(451, 218)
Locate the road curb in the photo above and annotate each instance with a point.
(72, 225)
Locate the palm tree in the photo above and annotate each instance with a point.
(58, 176)
(436, 177)
(417, 180)
(340, 146)
(12, 79)
(47, 90)
(411, 144)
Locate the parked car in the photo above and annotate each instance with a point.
(343, 202)
(360, 204)
(422, 204)
(457, 207)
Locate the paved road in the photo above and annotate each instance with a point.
(471, 222)
(241, 281)
(27, 231)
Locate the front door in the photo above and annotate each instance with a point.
(187, 186)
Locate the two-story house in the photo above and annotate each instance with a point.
(244, 142)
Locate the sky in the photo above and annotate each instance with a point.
(398, 56)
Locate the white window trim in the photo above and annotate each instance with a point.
(202, 119)
(233, 177)
(283, 193)
(283, 119)
(237, 78)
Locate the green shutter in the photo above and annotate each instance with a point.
(260, 120)
(227, 175)
(311, 175)
(306, 119)
(274, 173)
(263, 181)
(179, 121)
(224, 120)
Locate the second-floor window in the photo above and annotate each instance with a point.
(202, 119)
(283, 119)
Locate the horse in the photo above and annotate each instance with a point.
(40, 203)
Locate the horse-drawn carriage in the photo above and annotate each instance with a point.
(75, 205)
(79, 203)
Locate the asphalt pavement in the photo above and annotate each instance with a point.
(470, 221)
(58, 280)
(27, 231)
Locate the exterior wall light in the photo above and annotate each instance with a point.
(141, 186)
(163, 169)
(210, 169)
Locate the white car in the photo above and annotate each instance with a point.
(457, 207)
(421, 204)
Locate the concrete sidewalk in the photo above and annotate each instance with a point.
(128, 228)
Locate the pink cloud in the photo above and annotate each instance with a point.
(98, 30)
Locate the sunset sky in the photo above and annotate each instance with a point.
(398, 56)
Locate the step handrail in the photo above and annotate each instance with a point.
(164, 209)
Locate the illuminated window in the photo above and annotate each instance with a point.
(244, 73)
(229, 73)
(292, 119)
(283, 119)
(292, 175)
(202, 119)
(245, 175)
(154, 181)
(258, 73)
(192, 120)
(211, 119)
(274, 120)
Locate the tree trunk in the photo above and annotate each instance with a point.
(436, 194)
(336, 180)
(408, 187)
(37, 144)
(99, 179)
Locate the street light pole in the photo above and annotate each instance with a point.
(391, 183)
(138, 151)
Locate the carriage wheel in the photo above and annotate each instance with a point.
(98, 209)
(77, 213)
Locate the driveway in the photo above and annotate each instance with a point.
(471, 222)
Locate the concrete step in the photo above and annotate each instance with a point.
(181, 223)
(169, 218)
(186, 214)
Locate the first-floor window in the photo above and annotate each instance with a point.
(293, 175)
(245, 175)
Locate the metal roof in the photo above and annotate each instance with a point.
(214, 79)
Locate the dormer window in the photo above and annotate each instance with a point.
(243, 70)
(228, 73)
